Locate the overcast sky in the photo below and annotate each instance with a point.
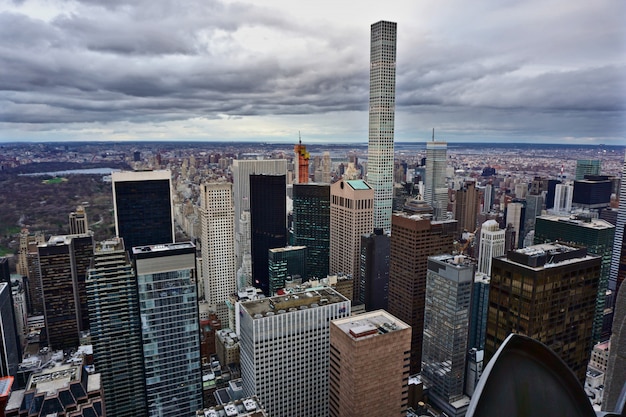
(490, 71)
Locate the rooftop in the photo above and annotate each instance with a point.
(358, 185)
(547, 255)
(581, 221)
(292, 302)
(458, 261)
(287, 249)
(374, 323)
(163, 247)
(246, 407)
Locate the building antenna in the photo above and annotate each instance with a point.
(299, 138)
(433, 134)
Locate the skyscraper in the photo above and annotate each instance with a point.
(351, 216)
(78, 221)
(63, 264)
(547, 292)
(168, 308)
(446, 323)
(618, 263)
(492, 242)
(116, 329)
(218, 245)
(382, 106)
(143, 207)
(563, 194)
(285, 350)
(268, 219)
(302, 163)
(28, 266)
(311, 225)
(587, 167)
(594, 234)
(369, 357)
(10, 356)
(514, 216)
(374, 273)
(467, 206)
(289, 261)
(413, 240)
(435, 188)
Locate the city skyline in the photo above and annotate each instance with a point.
(529, 72)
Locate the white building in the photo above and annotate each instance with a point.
(218, 245)
(514, 217)
(284, 349)
(435, 187)
(563, 195)
(492, 242)
(382, 106)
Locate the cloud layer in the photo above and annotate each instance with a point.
(211, 69)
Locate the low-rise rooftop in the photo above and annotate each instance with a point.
(374, 323)
(292, 302)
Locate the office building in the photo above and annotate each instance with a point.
(116, 329)
(244, 407)
(466, 207)
(268, 220)
(369, 358)
(243, 251)
(551, 190)
(144, 213)
(301, 163)
(168, 307)
(435, 187)
(311, 225)
(78, 221)
(479, 312)
(326, 167)
(10, 349)
(218, 245)
(616, 367)
(285, 350)
(492, 244)
(534, 207)
(446, 325)
(514, 216)
(28, 266)
(351, 216)
(63, 263)
(488, 198)
(382, 105)
(587, 167)
(563, 195)
(374, 274)
(413, 240)
(618, 262)
(547, 292)
(594, 234)
(286, 263)
(594, 192)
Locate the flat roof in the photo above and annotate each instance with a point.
(162, 247)
(358, 185)
(287, 249)
(374, 323)
(590, 223)
(292, 302)
(54, 379)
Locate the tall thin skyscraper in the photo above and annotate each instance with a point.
(311, 225)
(382, 106)
(435, 188)
(467, 206)
(78, 221)
(302, 163)
(218, 245)
(116, 329)
(143, 207)
(374, 270)
(413, 240)
(10, 355)
(618, 264)
(268, 219)
(351, 216)
(492, 243)
(170, 331)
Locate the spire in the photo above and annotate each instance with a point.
(433, 134)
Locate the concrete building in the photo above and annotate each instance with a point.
(227, 346)
(369, 358)
(382, 105)
(246, 407)
(563, 195)
(547, 292)
(446, 326)
(168, 308)
(10, 349)
(63, 263)
(374, 274)
(78, 221)
(218, 245)
(351, 216)
(413, 240)
(514, 217)
(616, 366)
(466, 209)
(435, 187)
(144, 213)
(116, 329)
(597, 236)
(285, 350)
(311, 225)
(492, 244)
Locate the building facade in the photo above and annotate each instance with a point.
(284, 263)
(618, 262)
(284, 342)
(435, 187)
(374, 274)
(144, 213)
(369, 352)
(351, 216)
(547, 292)
(382, 106)
(413, 240)
(78, 221)
(492, 243)
(168, 308)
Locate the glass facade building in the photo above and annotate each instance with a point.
(168, 309)
(286, 262)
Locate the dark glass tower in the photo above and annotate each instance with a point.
(374, 276)
(311, 225)
(143, 207)
(268, 218)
